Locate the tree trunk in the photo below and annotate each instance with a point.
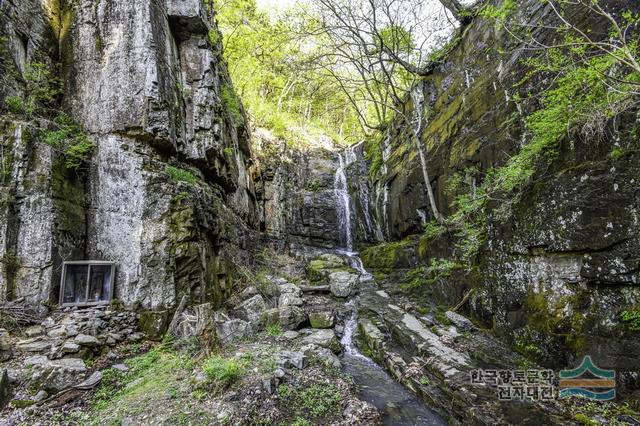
(457, 10)
(427, 181)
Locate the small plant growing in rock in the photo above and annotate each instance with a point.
(181, 175)
(632, 319)
(274, 330)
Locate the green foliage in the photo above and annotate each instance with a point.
(69, 139)
(274, 330)
(228, 151)
(269, 66)
(214, 37)
(321, 400)
(15, 104)
(42, 88)
(181, 175)
(632, 319)
(616, 153)
(499, 13)
(299, 421)
(223, 372)
(314, 186)
(438, 269)
(231, 103)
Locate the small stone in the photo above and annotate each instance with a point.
(35, 345)
(289, 299)
(40, 396)
(58, 332)
(291, 335)
(460, 321)
(250, 309)
(120, 367)
(70, 347)
(291, 359)
(34, 331)
(343, 284)
(5, 345)
(86, 340)
(135, 337)
(279, 373)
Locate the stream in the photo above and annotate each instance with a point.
(398, 406)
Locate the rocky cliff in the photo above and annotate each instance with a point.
(559, 266)
(162, 187)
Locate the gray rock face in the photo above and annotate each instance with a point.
(343, 284)
(297, 189)
(168, 185)
(57, 375)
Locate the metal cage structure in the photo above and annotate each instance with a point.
(87, 282)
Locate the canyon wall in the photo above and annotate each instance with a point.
(556, 269)
(166, 192)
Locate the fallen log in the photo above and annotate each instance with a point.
(315, 288)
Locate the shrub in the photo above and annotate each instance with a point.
(274, 330)
(68, 138)
(222, 372)
(181, 175)
(231, 103)
(632, 319)
(15, 104)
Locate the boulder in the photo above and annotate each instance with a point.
(251, 309)
(323, 354)
(463, 323)
(233, 329)
(324, 338)
(289, 299)
(154, 323)
(343, 284)
(55, 375)
(291, 335)
(291, 359)
(321, 319)
(288, 317)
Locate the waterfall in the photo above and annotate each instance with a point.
(347, 337)
(341, 191)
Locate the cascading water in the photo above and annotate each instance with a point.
(341, 190)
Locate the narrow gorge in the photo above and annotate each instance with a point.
(179, 247)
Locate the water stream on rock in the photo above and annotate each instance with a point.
(397, 405)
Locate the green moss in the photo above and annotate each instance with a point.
(385, 256)
(583, 419)
(616, 153)
(631, 318)
(11, 264)
(181, 175)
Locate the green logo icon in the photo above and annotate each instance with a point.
(589, 381)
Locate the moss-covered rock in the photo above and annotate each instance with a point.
(154, 323)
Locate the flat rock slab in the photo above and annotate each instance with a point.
(324, 338)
